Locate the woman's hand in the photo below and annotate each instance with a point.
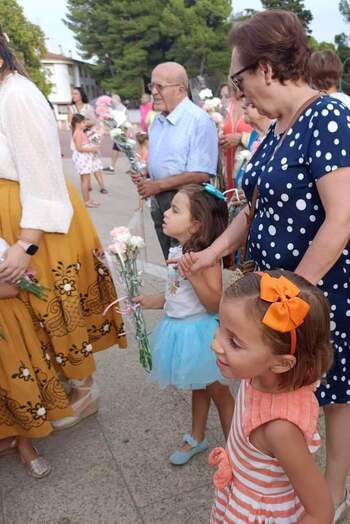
(195, 261)
(238, 198)
(230, 140)
(16, 262)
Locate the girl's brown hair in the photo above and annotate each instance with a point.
(11, 63)
(313, 353)
(210, 212)
(77, 118)
(325, 68)
(276, 37)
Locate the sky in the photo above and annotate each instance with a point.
(326, 24)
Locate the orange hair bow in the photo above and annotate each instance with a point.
(287, 310)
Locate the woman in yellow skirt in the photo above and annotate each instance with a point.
(49, 232)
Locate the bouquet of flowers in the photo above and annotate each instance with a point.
(212, 105)
(114, 118)
(125, 249)
(215, 109)
(27, 282)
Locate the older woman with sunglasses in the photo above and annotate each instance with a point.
(300, 175)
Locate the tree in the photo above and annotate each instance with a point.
(122, 37)
(295, 6)
(127, 39)
(344, 8)
(197, 32)
(27, 41)
(319, 46)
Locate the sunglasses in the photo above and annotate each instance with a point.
(236, 82)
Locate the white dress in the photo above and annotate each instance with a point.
(33, 158)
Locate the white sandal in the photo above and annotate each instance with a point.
(37, 468)
(82, 408)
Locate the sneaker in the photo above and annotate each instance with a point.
(110, 169)
(179, 458)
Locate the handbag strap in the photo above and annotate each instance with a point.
(250, 215)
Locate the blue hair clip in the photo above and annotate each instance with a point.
(212, 190)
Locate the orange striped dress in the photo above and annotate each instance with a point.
(254, 488)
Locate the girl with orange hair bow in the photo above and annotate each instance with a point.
(274, 334)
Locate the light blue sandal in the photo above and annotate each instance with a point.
(179, 458)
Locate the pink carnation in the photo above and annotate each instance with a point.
(103, 112)
(117, 231)
(117, 248)
(104, 101)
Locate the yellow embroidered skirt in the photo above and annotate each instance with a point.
(70, 325)
(30, 391)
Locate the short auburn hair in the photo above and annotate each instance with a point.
(326, 69)
(276, 37)
(314, 354)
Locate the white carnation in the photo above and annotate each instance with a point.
(136, 241)
(119, 117)
(116, 132)
(217, 117)
(205, 93)
(217, 101)
(124, 237)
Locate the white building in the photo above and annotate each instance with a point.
(64, 73)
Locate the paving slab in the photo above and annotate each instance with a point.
(143, 425)
(86, 484)
(190, 507)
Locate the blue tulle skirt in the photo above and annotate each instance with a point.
(182, 355)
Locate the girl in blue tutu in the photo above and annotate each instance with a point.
(182, 355)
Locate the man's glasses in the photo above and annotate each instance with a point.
(236, 81)
(160, 87)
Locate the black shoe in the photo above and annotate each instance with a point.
(109, 168)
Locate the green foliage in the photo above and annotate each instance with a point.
(344, 8)
(198, 35)
(296, 6)
(127, 39)
(319, 46)
(27, 41)
(343, 49)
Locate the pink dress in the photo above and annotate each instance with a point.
(254, 488)
(85, 163)
(144, 110)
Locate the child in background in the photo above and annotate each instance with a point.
(142, 140)
(95, 138)
(274, 334)
(181, 342)
(83, 157)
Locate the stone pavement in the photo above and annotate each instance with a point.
(113, 467)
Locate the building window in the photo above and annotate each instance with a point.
(62, 109)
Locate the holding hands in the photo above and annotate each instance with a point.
(192, 262)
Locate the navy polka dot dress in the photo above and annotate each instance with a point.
(290, 213)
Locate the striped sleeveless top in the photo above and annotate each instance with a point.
(252, 486)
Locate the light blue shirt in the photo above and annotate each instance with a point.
(186, 140)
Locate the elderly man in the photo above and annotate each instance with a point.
(183, 144)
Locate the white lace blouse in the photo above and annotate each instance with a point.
(30, 154)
